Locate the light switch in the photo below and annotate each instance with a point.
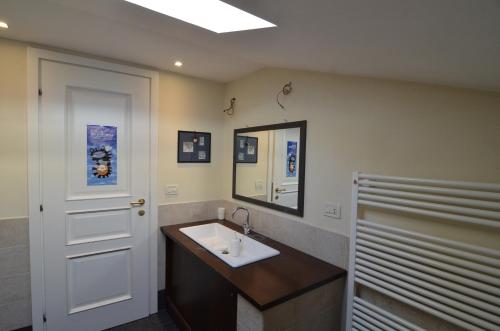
(332, 210)
(171, 190)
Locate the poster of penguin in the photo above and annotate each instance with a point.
(101, 155)
(291, 159)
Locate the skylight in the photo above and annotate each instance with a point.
(213, 15)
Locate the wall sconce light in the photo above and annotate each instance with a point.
(285, 90)
(230, 110)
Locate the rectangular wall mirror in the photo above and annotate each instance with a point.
(269, 166)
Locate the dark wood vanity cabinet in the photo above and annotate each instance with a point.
(197, 296)
(202, 290)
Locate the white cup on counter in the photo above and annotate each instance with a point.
(221, 211)
(235, 247)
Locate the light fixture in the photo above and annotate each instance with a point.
(230, 109)
(213, 15)
(285, 90)
(4, 25)
(178, 64)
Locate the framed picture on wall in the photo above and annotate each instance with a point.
(246, 149)
(193, 147)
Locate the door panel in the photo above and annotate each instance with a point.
(85, 107)
(96, 225)
(96, 252)
(85, 271)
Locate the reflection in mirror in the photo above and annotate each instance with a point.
(267, 166)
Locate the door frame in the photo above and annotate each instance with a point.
(35, 56)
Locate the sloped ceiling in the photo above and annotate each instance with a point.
(450, 42)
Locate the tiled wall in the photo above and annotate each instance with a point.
(15, 299)
(323, 244)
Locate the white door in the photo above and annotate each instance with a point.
(285, 188)
(94, 128)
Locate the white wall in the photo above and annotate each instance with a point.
(371, 125)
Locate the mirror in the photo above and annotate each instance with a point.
(269, 166)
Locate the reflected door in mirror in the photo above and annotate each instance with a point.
(285, 179)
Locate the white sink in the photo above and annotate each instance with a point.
(216, 239)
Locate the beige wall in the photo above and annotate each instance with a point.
(186, 103)
(353, 124)
(194, 105)
(371, 125)
(13, 156)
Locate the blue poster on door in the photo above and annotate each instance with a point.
(101, 155)
(291, 159)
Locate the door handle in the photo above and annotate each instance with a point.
(137, 203)
(280, 190)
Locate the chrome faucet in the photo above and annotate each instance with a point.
(246, 224)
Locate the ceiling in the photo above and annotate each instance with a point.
(449, 42)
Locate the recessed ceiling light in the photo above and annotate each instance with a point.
(178, 63)
(213, 15)
(4, 25)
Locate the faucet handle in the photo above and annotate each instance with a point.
(247, 228)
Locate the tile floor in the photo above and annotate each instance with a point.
(157, 322)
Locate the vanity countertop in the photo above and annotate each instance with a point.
(268, 282)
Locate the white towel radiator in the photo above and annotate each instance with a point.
(451, 280)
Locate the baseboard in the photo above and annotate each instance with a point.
(26, 328)
(162, 305)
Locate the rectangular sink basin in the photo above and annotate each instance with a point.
(215, 238)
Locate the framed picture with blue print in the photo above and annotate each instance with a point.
(246, 149)
(193, 147)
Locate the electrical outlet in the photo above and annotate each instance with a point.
(259, 184)
(171, 190)
(332, 210)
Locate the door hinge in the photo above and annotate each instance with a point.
(40, 92)
(44, 318)
(41, 208)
